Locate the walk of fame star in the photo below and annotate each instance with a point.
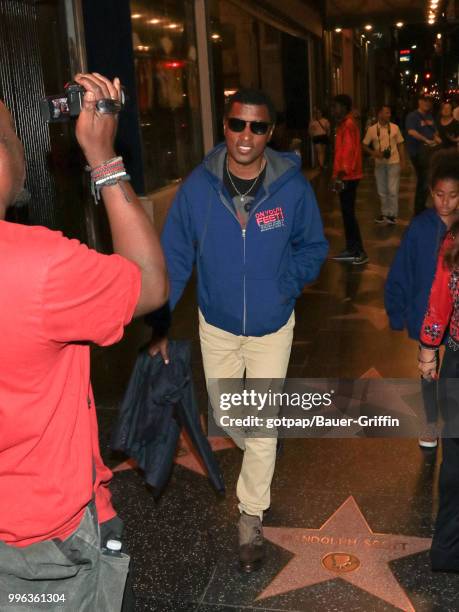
(373, 269)
(189, 458)
(373, 314)
(393, 241)
(344, 547)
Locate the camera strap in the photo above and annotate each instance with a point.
(378, 132)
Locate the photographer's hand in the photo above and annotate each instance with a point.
(133, 235)
(96, 131)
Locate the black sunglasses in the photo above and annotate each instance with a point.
(256, 127)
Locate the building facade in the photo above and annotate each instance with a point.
(178, 60)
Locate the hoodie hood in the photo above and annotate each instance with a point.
(280, 166)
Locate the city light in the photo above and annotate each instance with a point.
(399, 24)
(215, 36)
(338, 30)
(407, 72)
(438, 35)
(172, 26)
(154, 21)
(175, 64)
(414, 46)
(368, 27)
(136, 16)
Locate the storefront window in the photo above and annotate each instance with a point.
(246, 53)
(167, 89)
(249, 52)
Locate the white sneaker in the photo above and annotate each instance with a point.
(429, 437)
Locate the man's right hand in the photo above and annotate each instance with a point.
(96, 131)
(160, 346)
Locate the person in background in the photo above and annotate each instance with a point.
(420, 129)
(347, 172)
(456, 108)
(319, 131)
(384, 142)
(442, 321)
(411, 274)
(447, 134)
(58, 296)
(371, 118)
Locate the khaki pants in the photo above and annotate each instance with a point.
(226, 355)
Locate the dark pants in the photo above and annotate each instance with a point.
(73, 574)
(422, 190)
(444, 553)
(351, 225)
(429, 399)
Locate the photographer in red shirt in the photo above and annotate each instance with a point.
(57, 297)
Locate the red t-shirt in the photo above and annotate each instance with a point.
(56, 297)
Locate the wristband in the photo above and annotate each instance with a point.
(109, 173)
(428, 348)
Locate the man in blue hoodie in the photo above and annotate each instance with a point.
(249, 220)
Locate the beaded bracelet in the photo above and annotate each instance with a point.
(109, 173)
(428, 348)
(432, 360)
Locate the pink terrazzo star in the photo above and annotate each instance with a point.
(344, 547)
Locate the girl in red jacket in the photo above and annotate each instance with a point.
(442, 318)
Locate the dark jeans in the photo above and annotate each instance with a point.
(422, 190)
(74, 574)
(351, 225)
(429, 399)
(444, 553)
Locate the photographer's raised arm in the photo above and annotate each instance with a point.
(133, 235)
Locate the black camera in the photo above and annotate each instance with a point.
(68, 105)
(387, 153)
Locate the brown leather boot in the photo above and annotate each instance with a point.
(251, 543)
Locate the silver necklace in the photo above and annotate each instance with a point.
(242, 196)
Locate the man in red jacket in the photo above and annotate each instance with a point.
(347, 172)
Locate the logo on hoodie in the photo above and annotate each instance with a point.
(270, 219)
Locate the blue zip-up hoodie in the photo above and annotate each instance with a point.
(411, 275)
(248, 280)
